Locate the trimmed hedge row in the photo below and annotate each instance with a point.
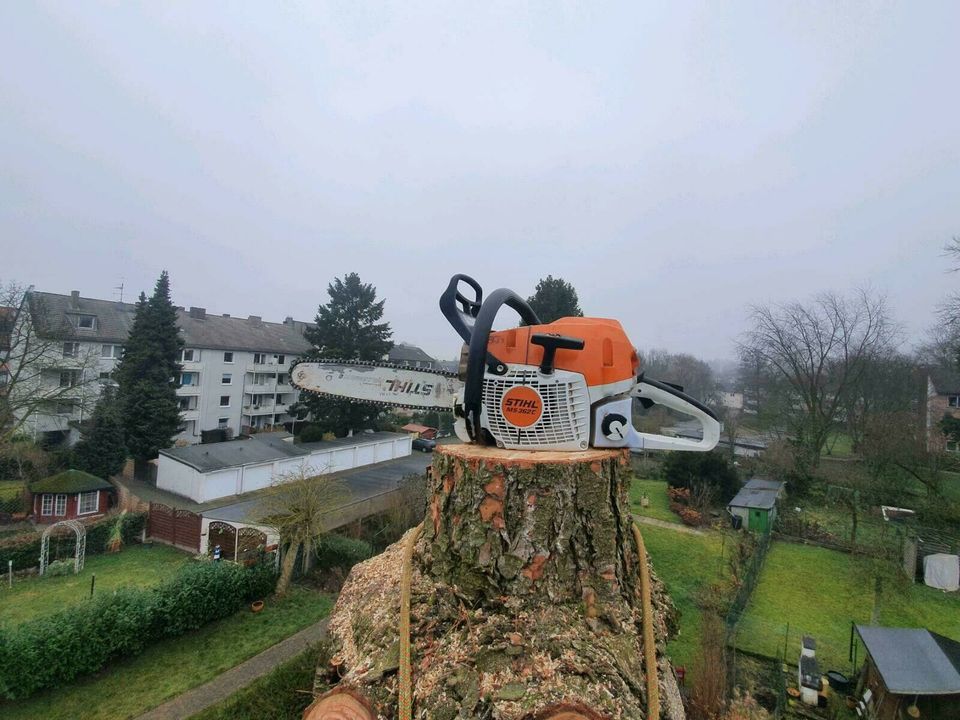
(53, 650)
(24, 550)
(334, 550)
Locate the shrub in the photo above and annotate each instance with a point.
(24, 549)
(60, 567)
(702, 472)
(337, 551)
(311, 433)
(52, 650)
(691, 517)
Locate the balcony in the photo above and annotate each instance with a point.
(186, 415)
(188, 390)
(266, 368)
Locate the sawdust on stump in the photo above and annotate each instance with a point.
(525, 598)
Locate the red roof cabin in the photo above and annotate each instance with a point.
(422, 431)
(71, 495)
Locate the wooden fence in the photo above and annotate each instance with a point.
(174, 526)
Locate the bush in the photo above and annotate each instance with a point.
(24, 549)
(337, 551)
(702, 472)
(52, 650)
(311, 433)
(691, 517)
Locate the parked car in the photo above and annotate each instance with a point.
(424, 445)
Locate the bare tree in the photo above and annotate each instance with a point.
(43, 370)
(821, 350)
(299, 508)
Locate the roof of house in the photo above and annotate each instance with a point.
(198, 328)
(210, 457)
(414, 427)
(764, 484)
(69, 482)
(408, 353)
(946, 381)
(758, 498)
(913, 660)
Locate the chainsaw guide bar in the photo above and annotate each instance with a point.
(378, 383)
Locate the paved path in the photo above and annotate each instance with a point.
(676, 527)
(223, 686)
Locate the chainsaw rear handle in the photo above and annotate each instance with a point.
(478, 359)
(670, 397)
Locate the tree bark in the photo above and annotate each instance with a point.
(525, 600)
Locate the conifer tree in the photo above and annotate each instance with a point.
(348, 327)
(102, 451)
(147, 376)
(553, 299)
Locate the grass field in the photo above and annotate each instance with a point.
(167, 669)
(839, 445)
(135, 566)
(818, 592)
(280, 695)
(686, 563)
(656, 491)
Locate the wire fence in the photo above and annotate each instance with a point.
(748, 582)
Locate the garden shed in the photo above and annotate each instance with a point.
(911, 667)
(71, 495)
(756, 504)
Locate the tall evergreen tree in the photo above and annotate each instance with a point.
(555, 298)
(102, 451)
(147, 376)
(348, 327)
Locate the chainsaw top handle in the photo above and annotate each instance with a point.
(462, 318)
(479, 360)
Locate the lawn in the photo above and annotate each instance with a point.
(818, 592)
(282, 694)
(167, 669)
(656, 491)
(839, 445)
(685, 563)
(134, 566)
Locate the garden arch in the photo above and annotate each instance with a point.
(81, 550)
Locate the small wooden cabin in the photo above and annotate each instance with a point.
(71, 495)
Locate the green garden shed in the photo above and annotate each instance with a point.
(756, 505)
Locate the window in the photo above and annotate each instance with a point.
(106, 378)
(84, 322)
(224, 401)
(69, 378)
(228, 357)
(281, 359)
(281, 379)
(189, 355)
(89, 502)
(953, 446)
(222, 423)
(46, 505)
(71, 349)
(226, 379)
(188, 378)
(259, 358)
(61, 505)
(187, 403)
(111, 351)
(954, 401)
(65, 407)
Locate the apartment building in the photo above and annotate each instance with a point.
(234, 370)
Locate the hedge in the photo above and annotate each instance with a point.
(53, 650)
(24, 550)
(334, 550)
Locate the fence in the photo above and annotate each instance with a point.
(751, 574)
(174, 526)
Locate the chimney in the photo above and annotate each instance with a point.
(254, 319)
(226, 314)
(75, 298)
(288, 320)
(198, 313)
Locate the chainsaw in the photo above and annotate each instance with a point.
(566, 385)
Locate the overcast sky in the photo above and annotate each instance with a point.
(675, 162)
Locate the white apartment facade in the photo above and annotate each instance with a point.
(234, 371)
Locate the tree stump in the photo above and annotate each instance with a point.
(525, 601)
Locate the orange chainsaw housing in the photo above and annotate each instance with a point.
(607, 356)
